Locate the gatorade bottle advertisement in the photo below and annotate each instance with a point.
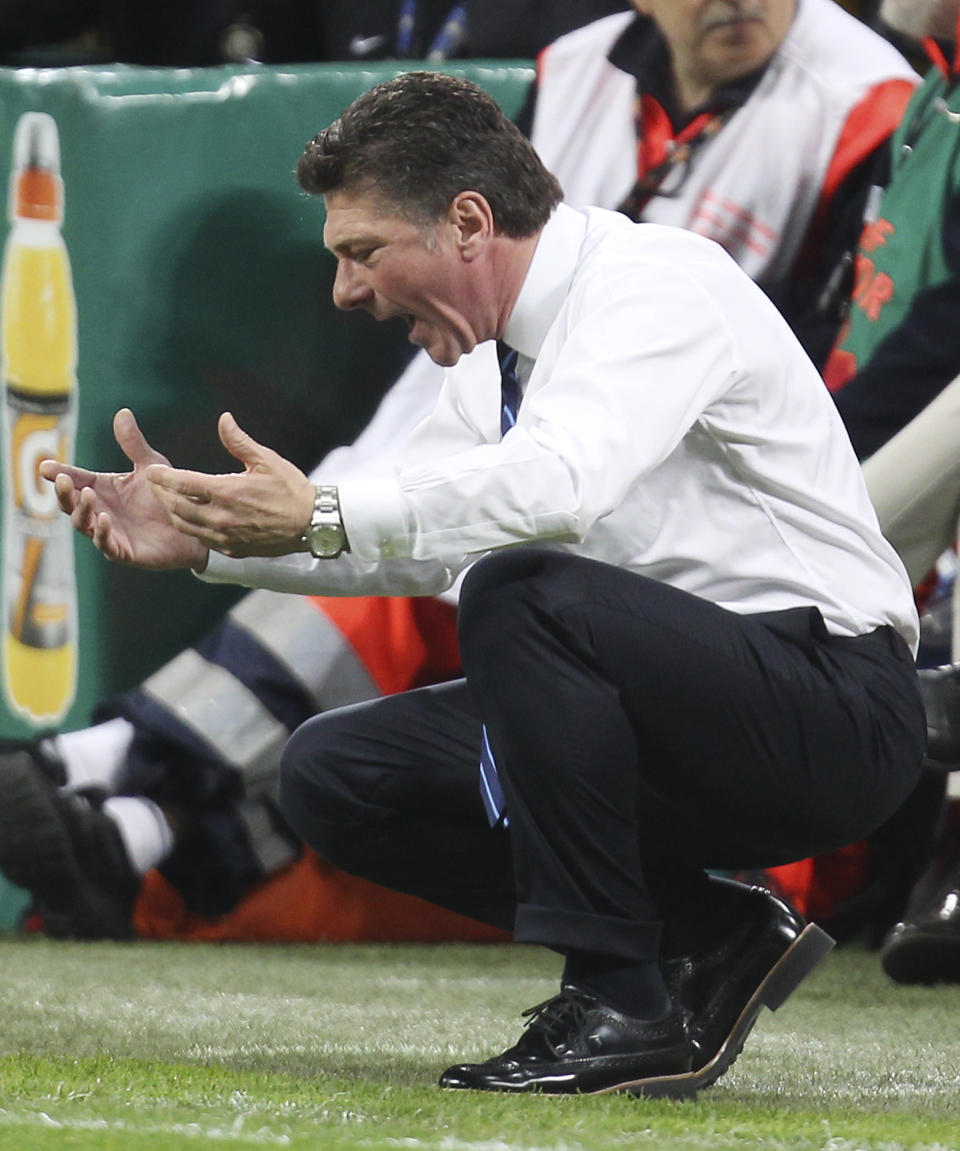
(38, 355)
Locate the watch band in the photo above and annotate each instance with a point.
(326, 501)
(325, 537)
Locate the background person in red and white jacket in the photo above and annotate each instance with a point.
(758, 123)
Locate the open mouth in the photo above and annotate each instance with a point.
(408, 320)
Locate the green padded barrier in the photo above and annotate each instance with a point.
(13, 905)
(201, 285)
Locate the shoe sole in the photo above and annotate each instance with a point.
(35, 849)
(809, 949)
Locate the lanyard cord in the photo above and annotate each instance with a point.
(681, 152)
(446, 43)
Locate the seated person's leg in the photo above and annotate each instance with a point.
(193, 756)
(914, 484)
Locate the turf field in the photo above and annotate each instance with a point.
(154, 1046)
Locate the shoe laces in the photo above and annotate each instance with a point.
(554, 1018)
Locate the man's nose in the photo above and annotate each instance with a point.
(349, 288)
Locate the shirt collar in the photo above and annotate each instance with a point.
(547, 282)
(642, 51)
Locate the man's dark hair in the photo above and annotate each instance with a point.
(418, 140)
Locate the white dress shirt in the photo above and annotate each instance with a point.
(670, 425)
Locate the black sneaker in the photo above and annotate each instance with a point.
(64, 850)
(574, 1044)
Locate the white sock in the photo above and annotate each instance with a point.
(94, 756)
(143, 828)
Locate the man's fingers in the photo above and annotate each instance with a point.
(102, 536)
(54, 469)
(133, 444)
(83, 513)
(238, 443)
(65, 489)
(186, 496)
(51, 469)
(166, 482)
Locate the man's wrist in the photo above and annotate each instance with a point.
(324, 536)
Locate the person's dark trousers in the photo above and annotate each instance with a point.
(642, 734)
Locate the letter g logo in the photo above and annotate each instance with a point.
(36, 496)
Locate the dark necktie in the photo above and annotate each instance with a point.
(509, 386)
(491, 792)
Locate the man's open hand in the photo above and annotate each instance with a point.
(261, 511)
(119, 510)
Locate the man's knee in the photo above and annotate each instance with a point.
(323, 796)
(499, 591)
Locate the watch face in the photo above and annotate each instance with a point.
(326, 540)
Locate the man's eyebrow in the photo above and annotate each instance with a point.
(350, 244)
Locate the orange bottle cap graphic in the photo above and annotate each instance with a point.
(36, 187)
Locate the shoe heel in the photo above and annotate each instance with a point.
(810, 947)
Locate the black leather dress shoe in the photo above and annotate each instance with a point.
(940, 687)
(575, 1045)
(925, 946)
(767, 953)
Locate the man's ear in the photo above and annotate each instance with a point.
(472, 219)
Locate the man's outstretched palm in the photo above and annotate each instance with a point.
(119, 511)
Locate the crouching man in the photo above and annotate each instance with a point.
(686, 643)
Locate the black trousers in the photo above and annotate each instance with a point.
(642, 734)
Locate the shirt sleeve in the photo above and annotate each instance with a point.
(301, 574)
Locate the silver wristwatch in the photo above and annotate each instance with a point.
(325, 537)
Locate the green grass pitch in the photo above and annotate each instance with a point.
(145, 1047)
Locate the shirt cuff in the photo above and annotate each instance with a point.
(374, 519)
(219, 569)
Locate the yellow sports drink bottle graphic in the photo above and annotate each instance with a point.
(38, 330)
